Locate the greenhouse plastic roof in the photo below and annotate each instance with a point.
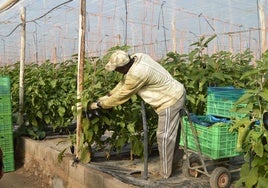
(151, 26)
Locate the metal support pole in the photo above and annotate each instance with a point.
(145, 143)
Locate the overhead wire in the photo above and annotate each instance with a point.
(40, 17)
(114, 11)
(7, 5)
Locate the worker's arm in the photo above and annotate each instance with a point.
(129, 87)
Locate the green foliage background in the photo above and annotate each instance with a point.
(50, 98)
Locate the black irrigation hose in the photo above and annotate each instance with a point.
(123, 175)
(265, 120)
(145, 144)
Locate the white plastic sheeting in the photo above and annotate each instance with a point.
(151, 26)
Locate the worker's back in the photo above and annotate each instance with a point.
(159, 89)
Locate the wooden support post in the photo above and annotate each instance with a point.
(262, 26)
(22, 62)
(80, 75)
(174, 36)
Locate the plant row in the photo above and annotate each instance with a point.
(50, 100)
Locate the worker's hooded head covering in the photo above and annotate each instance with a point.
(118, 59)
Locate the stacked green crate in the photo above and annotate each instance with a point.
(6, 130)
(215, 141)
(221, 100)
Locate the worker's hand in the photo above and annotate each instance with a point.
(93, 106)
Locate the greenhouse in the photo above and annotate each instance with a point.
(143, 93)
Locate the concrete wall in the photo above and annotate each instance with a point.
(41, 159)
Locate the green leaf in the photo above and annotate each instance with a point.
(137, 147)
(39, 114)
(53, 83)
(218, 75)
(34, 122)
(41, 134)
(259, 161)
(264, 94)
(252, 178)
(244, 170)
(96, 128)
(106, 120)
(89, 135)
(262, 182)
(47, 119)
(122, 124)
(61, 155)
(41, 82)
(61, 111)
(258, 149)
(249, 73)
(85, 124)
(134, 98)
(265, 146)
(240, 182)
(94, 121)
(131, 127)
(120, 142)
(85, 155)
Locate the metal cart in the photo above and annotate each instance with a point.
(218, 168)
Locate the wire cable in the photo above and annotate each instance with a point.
(34, 20)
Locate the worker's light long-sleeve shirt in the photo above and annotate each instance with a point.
(150, 81)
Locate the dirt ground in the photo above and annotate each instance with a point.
(131, 172)
(22, 178)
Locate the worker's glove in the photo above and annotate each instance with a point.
(91, 114)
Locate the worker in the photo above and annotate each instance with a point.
(153, 83)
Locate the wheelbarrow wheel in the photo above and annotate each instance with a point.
(194, 161)
(220, 178)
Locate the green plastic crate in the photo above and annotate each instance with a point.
(9, 163)
(6, 124)
(6, 142)
(5, 105)
(220, 101)
(222, 108)
(216, 141)
(4, 85)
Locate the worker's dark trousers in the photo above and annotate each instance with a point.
(168, 124)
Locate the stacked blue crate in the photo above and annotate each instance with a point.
(6, 130)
